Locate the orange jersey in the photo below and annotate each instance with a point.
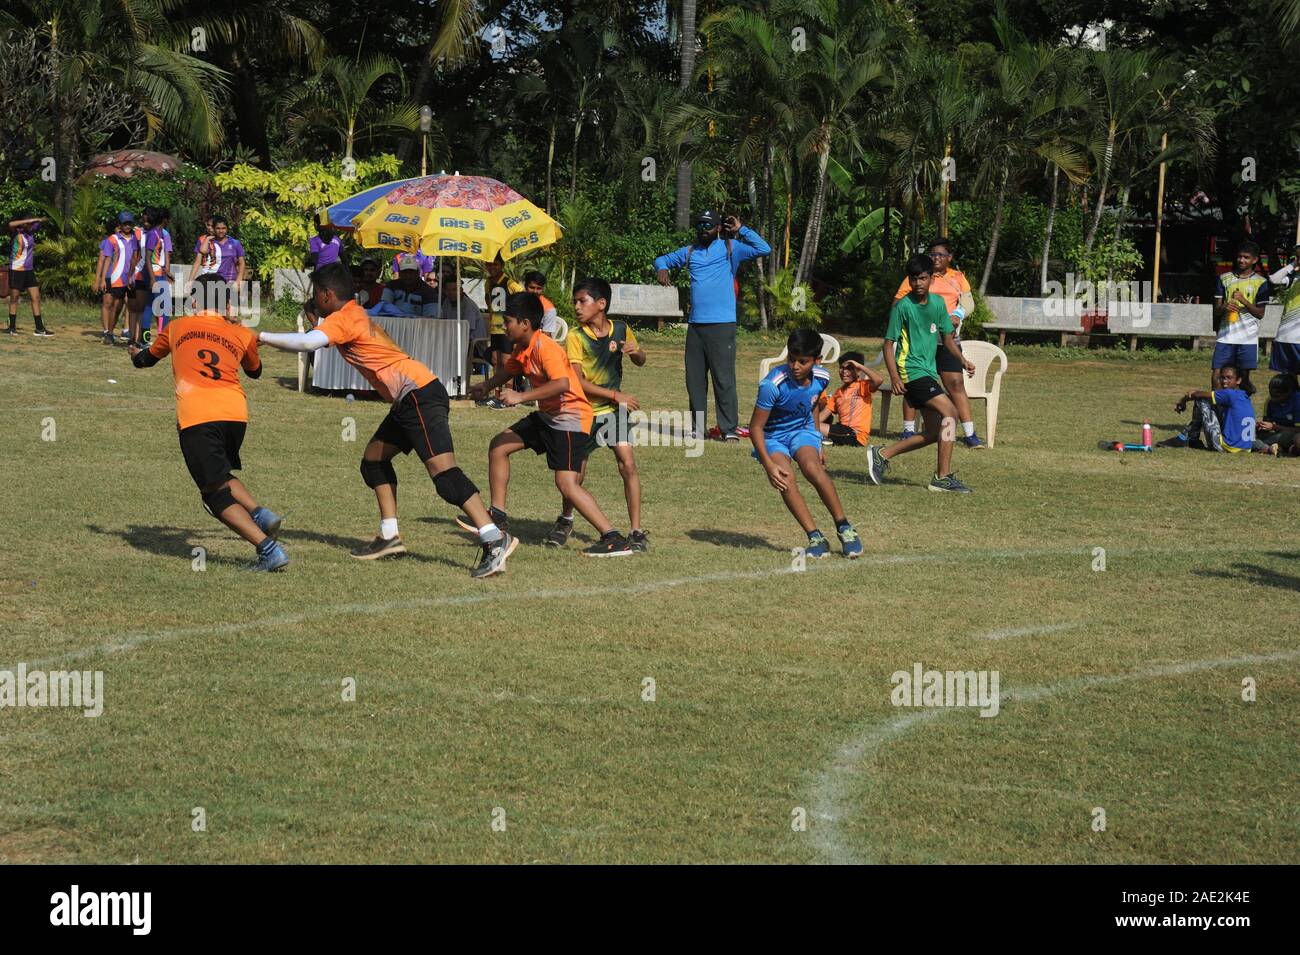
(543, 360)
(948, 287)
(852, 406)
(207, 352)
(365, 346)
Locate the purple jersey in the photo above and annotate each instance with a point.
(220, 258)
(20, 254)
(426, 264)
(119, 250)
(326, 252)
(158, 252)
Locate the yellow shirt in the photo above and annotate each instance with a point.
(497, 319)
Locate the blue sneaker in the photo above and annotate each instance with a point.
(850, 542)
(973, 442)
(267, 521)
(273, 559)
(818, 545)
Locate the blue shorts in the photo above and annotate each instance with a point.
(1243, 357)
(788, 442)
(1285, 357)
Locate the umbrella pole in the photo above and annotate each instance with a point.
(460, 348)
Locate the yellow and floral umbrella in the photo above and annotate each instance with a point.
(464, 216)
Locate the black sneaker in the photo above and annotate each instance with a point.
(877, 465)
(949, 483)
(559, 535)
(1177, 441)
(379, 547)
(493, 558)
(43, 332)
(107, 338)
(612, 544)
(639, 541)
(11, 330)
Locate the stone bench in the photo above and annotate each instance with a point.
(646, 301)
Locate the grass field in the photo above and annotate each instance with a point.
(1121, 688)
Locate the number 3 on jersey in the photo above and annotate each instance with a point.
(209, 359)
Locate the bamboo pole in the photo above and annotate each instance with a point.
(1160, 222)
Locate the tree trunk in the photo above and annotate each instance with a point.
(759, 297)
(249, 105)
(1101, 195)
(683, 211)
(1047, 233)
(808, 254)
(550, 166)
(993, 237)
(889, 215)
(573, 176)
(1123, 211)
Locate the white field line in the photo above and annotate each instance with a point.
(131, 640)
(831, 800)
(1006, 632)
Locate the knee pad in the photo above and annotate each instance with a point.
(217, 501)
(378, 473)
(453, 487)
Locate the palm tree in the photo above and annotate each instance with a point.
(844, 64)
(340, 100)
(686, 76)
(131, 45)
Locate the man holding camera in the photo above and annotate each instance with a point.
(721, 245)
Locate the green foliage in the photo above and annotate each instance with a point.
(68, 250)
(791, 306)
(1107, 261)
(278, 205)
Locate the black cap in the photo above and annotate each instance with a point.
(707, 219)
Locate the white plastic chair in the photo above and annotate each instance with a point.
(561, 330)
(983, 354)
(885, 392)
(830, 353)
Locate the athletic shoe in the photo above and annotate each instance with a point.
(877, 465)
(714, 433)
(612, 544)
(640, 541)
(827, 443)
(107, 338)
(380, 548)
(1177, 441)
(973, 442)
(43, 332)
(496, 404)
(818, 545)
(126, 336)
(948, 483)
(493, 559)
(273, 559)
(731, 436)
(559, 535)
(267, 521)
(850, 542)
(11, 330)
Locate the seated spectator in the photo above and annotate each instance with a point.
(408, 295)
(1222, 419)
(425, 263)
(371, 290)
(535, 282)
(850, 405)
(1281, 425)
(469, 312)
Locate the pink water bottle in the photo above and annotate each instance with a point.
(1146, 434)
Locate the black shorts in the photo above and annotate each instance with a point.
(499, 343)
(211, 450)
(920, 391)
(418, 422)
(944, 361)
(22, 279)
(844, 436)
(610, 430)
(117, 291)
(564, 450)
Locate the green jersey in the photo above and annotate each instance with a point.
(918, 329)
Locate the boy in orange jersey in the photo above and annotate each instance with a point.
(560, 428)
(416, 421)
(851, 403)
(212, 415)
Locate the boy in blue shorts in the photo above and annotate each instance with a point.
(783, 431)
(1239, 301)
(1280, 427)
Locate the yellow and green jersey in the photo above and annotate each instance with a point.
(918, 329)
(600, 358)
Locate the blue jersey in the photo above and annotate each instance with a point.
(789, 404)
(1233, 407)
(713, 273)
(1285, 413)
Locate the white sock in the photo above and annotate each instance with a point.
(969, 428)
(388, 528)
(489, 532)
(909, 427)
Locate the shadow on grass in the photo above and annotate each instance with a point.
(860, 477)
(733, 539)
(528, 531)
(1255, 574)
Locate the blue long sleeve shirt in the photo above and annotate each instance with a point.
(713, 289)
